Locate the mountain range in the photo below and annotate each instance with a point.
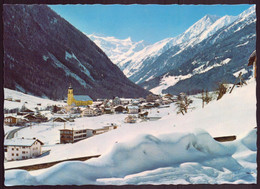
(44, 54)
(212, 50)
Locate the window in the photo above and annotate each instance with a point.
(17, 149)
(12, 148)
(12, 154)
(23, 152)
(17, 154)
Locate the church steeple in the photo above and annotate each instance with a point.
(70, 95)
(70, 87)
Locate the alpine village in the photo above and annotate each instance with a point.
(69, 106)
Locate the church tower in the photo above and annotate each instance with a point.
(70, 96)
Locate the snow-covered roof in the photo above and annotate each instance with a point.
(132, 107)
(20, 142)
(82, 98)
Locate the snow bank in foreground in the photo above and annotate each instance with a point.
(147, 159)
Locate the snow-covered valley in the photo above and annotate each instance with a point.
(176, 149)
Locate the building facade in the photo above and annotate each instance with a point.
(21, 148)
(71, 135)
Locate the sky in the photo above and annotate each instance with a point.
(150, 23)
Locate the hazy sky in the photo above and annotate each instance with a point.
(150, 23)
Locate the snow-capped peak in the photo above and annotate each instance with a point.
(117, 49)
(220, 23)
(248, 12)
(200, 26)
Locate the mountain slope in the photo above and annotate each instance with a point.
(43, 54)
(202, 65)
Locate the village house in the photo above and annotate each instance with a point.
(133, 109)
(41, 118)
(148, 105)
(25, 111)
(119, 109)
(22, 148)
(31, 118)
(59, 119)
(71, 135)
(116, 101)
(10, 120)
(104, 129)
(151, 98)
(107, 111)
(88, 112)
(135, 102)
(143, 115)
(142, 100)
(130, 119)
(168, 96)
(17, 121)
(125, 101)
(98, 111)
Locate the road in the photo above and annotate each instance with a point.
(11, 133)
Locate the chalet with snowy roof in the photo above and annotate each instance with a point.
(22, 148)
(31, 118)
(78, 100)
(125, 101)
(119, 109)
(151, 98)
(12, 120)
(107, 111)
(252, 61)
(88, 112)
(133, 109)
(59, 119)
(143, 114)
(116, 101)
(148, 105)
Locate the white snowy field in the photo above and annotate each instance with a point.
(29, 101)
(175, 149)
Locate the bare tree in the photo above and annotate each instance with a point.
(221, 90)
(183, 103)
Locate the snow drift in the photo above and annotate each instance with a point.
(144, 154)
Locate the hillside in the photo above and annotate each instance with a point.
(43, 54)
(217, 58)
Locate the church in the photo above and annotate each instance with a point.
(78, 100)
